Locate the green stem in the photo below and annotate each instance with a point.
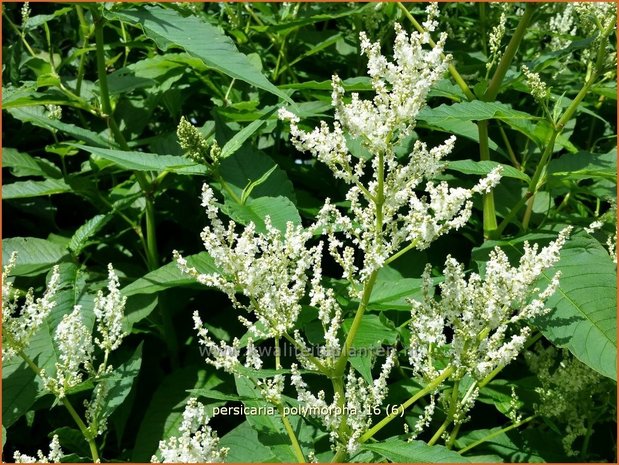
(379, 200)
(296, 447)
(585, 443)
(495, 434)
(291, 434)
(528, 212)
(18, 32)
(510, 52)
(338, 387)
(453, 435)
(401, 252)
(433, 385)
(340, 365)
(453, 405)
(83, 428)
(508, 146)
(489, 212)
(537, 179)
(78, 421)
(81, 68)
(151, 238)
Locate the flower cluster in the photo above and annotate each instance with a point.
(347, 417)
(570, 392)
(197, 146)
(272, 270)
(109, 313)
(387, 211)
(197, 442)
(20, 322)
(482, 312)
(538, 88)
(75, 352)
(73, 340)
(494, 40)
(562, 27)
(572, 21)
(54, 456)
(75, 343)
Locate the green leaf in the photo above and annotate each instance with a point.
(138, 307)
(356, 84)
(22, 164)
(37, 117)
(240, 137)
(532, 445)
(458, 118)
(170, 276)
(399, 451)
(584, 165)
(372, 332)
(72, 439)
(121, 381)
(482, 168)
(15, 97)
(38, 20)
(270, 428)
(247, 165)
(79, 240)
(584, 306)
(245, 446)
(140, 161)
(199, 38)
(585, 319)
(394, 294)
(34, 255)
(212, 394)
(280, 210)
(20, 386)
(27, 189)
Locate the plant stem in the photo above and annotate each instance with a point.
(401, 252)
(19, 32)
(291, 434)
(78, 421)
(379, 200)
(85, 432)
(506, 60)
(151, 251)
(434, 384)
(340, 365)
(585, 443)
(495, 434)
(296, 448)
(453, 435)
(489, 211)
(338, 388)
(453, 404)
(508, 146)
(537, 179)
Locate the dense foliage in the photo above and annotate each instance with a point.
(115, 115)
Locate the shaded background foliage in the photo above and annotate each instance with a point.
(78, 200)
